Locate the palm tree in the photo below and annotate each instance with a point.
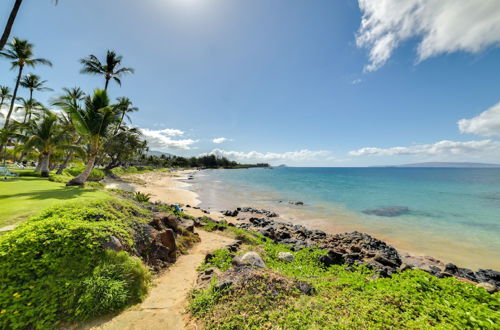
(110, 70)
(20, 53)
(4, 95)
(29, 105)
(71, 98)
(92, 122)
(34, 83)
(46, 136)
(124, 107)
(10, 22)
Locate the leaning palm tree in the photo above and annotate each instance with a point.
(45, 136)
(111, 69)
(92, 122)
(20, 52)
(10, 22)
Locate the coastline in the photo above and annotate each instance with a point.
(173, 188)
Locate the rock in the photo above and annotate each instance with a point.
(223, 285)
(285, 256)
(305, 288)
(205, 277)
(460, 272)
(332, 258)
(392, 211)
(167, 239)
(491, 288)
(249, 259)
(187, 224)
(113, 243)
(298, 203)
(488, 275)
(229, 213)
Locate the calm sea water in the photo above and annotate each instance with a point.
(452, 214)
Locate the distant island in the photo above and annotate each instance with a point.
(446, 164)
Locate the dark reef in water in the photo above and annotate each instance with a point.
(392, 211)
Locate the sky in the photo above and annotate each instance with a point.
(296, 82)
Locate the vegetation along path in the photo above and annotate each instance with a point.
(164, 307)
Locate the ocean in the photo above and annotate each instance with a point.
(452, 214)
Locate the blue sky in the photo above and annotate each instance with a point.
(288, 81)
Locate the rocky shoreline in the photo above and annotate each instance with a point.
(355, 248)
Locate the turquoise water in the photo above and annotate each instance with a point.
(453, 214)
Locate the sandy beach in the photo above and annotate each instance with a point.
(166, 187)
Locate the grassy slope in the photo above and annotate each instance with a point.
(344, 299)
(23, 197)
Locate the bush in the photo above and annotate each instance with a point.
(53, 267)
(95, 175)
(142, 197)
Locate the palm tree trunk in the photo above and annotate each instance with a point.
(14, 95)
(80, 180)
(10, 23)
(38, 164)
(106, 84)
(65, 163)
(44, 167)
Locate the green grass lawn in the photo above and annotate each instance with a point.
(23, 197)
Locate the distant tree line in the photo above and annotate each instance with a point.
(206, 161)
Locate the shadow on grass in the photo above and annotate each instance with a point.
(62, 193)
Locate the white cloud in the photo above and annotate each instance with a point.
(442, 26)
(356, 81)
(486, 124)
(441, 148)
(162, 139)
(171, 132)
(292, 156)
(219, 140)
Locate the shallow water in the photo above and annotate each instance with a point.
(451, 214)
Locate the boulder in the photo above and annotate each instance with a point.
(332, 258)
(113, 243)
(491, 288)
(285, 256)
(488, 275)
(305, 288)
(187, 224)
(167, 239)
(249, 259)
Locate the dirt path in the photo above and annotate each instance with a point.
(164, 307)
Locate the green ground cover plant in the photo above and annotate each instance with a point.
(54, 268)
(344, 298)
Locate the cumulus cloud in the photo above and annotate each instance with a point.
(441, 148)
(162, 139)
(219, 140)
(442, 26)
(486, 124)
(293, 156)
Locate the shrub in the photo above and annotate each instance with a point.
(142, 197)
(53, 267)
(95, 175)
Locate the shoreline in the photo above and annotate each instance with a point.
(172, 188)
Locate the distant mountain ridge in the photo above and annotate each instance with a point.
(446, 164)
